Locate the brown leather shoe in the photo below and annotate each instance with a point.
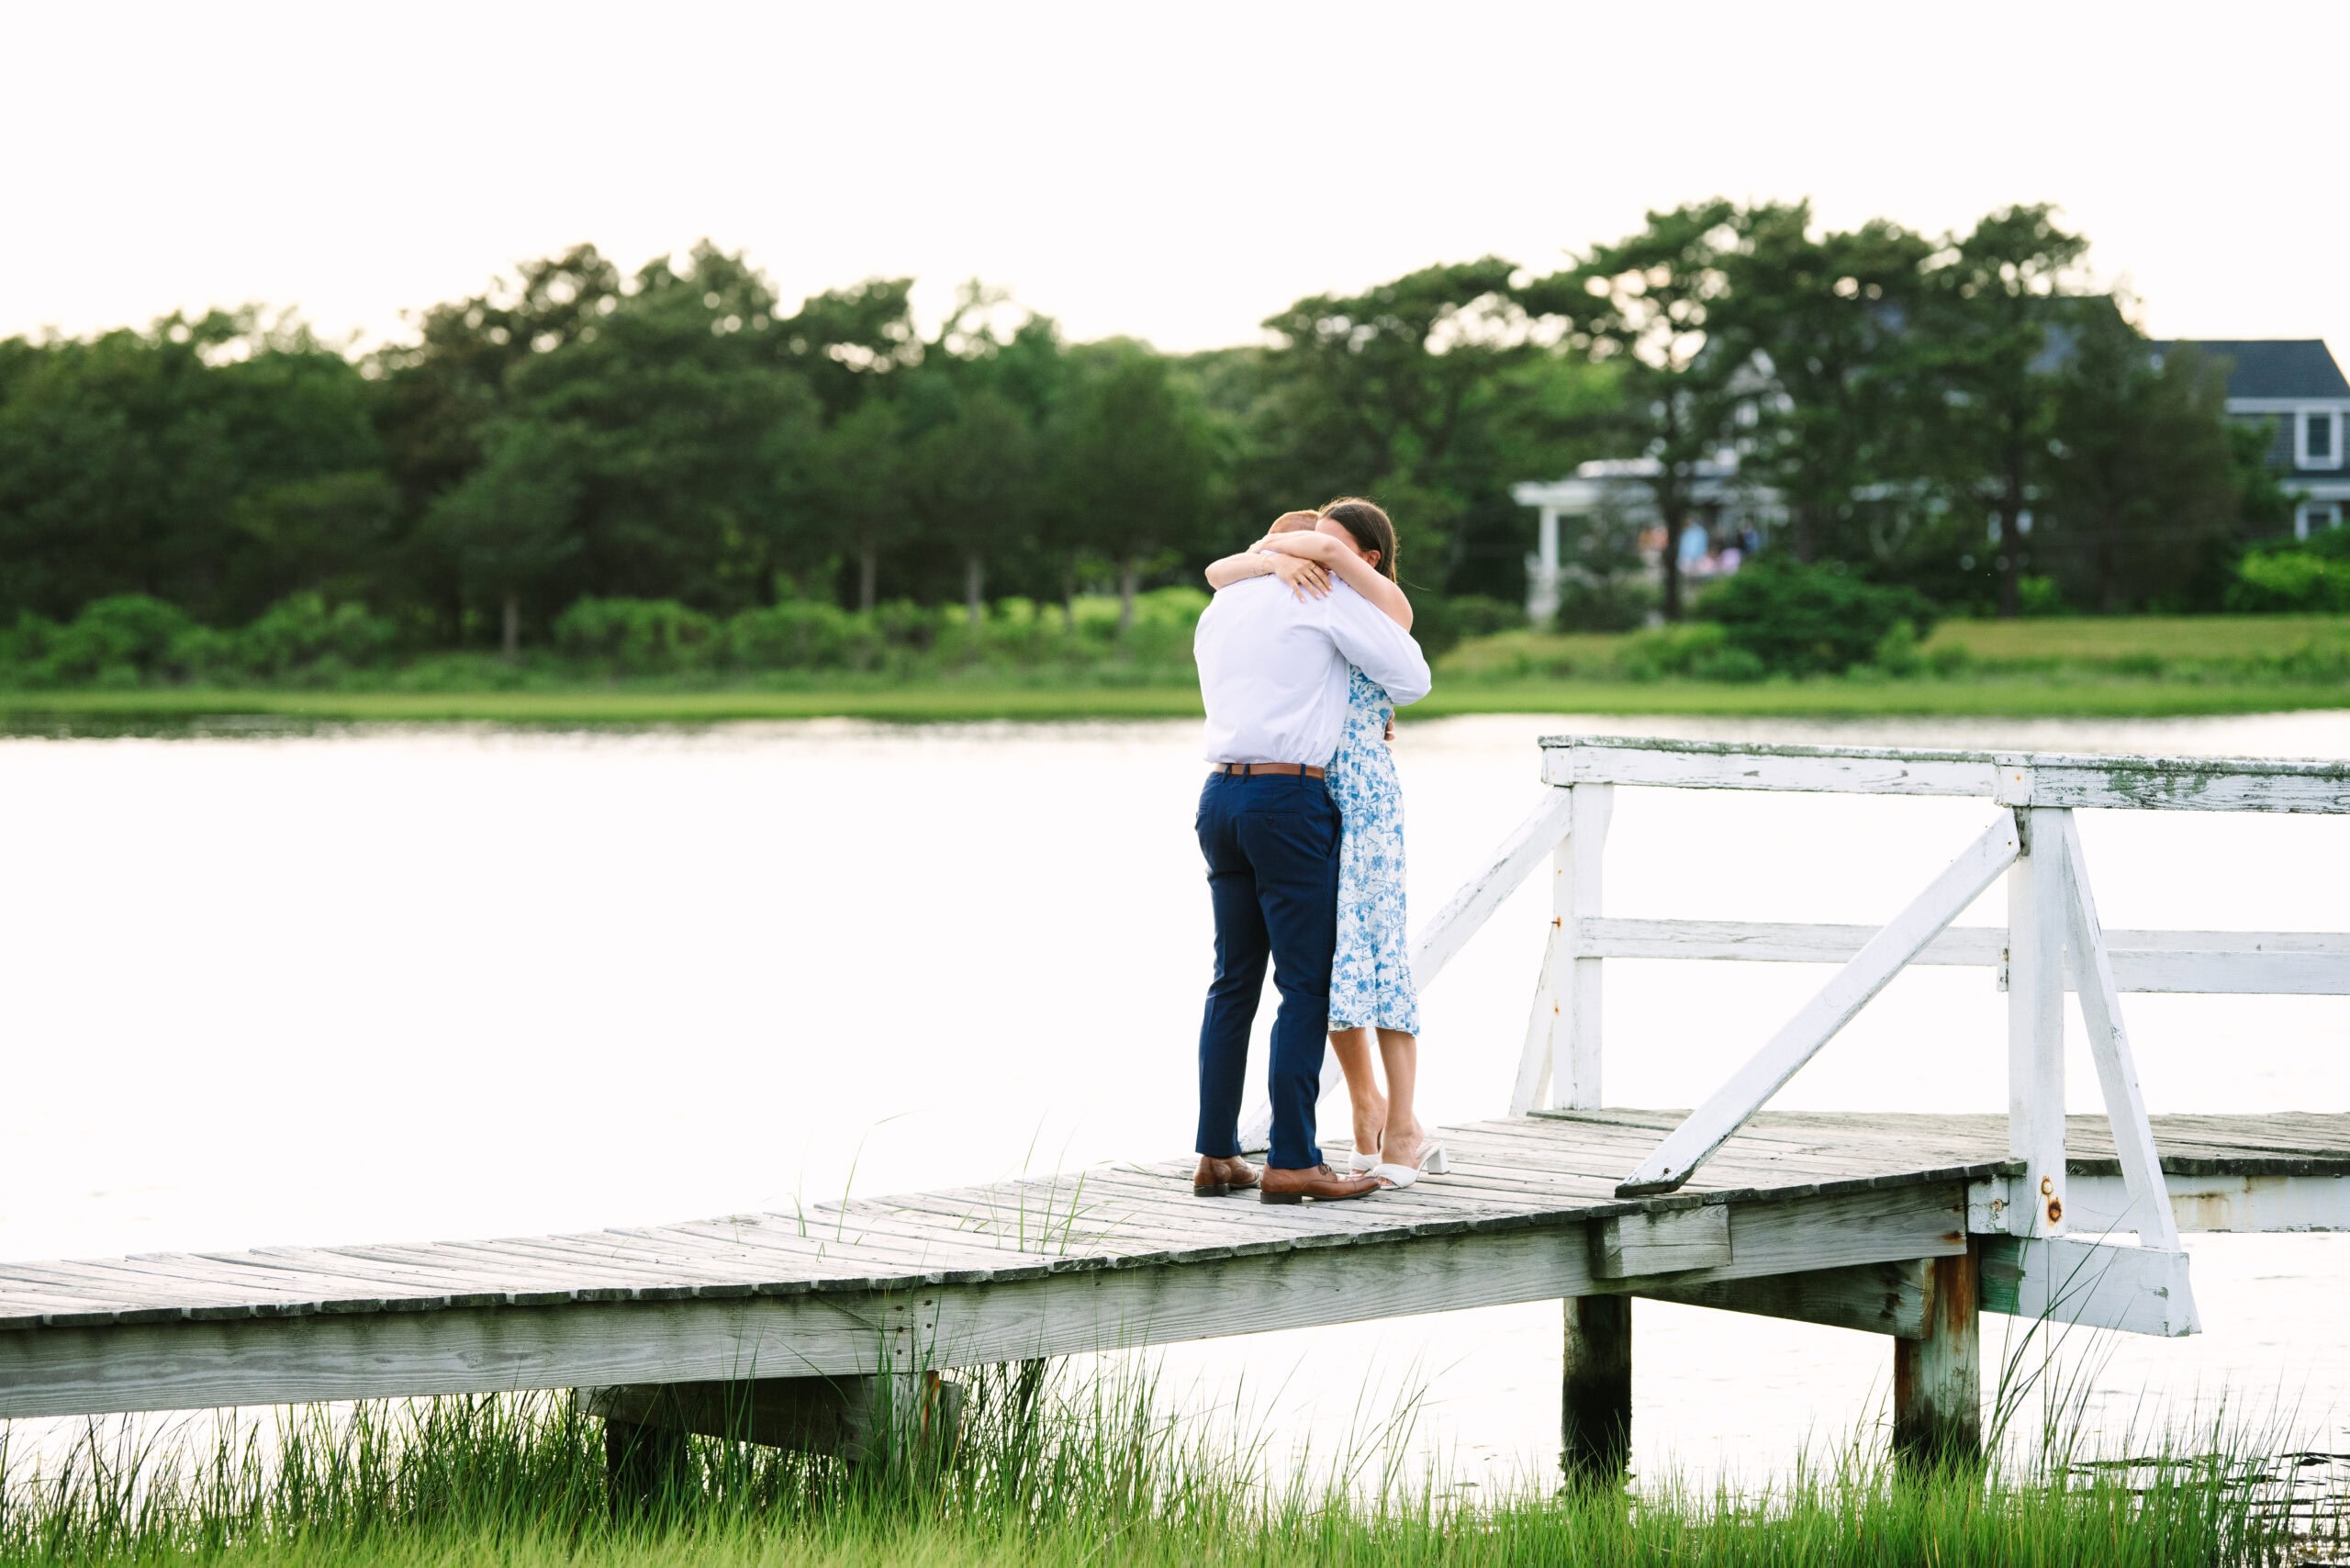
(1321, 1184)
(1217, 1177)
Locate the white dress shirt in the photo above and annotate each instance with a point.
(1273, 669)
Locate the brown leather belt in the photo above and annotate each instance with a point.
(1292, 769)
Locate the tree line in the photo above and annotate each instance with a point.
(1954, 415)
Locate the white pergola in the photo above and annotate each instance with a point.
(1624, 486)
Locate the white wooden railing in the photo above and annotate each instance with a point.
(2053, 942)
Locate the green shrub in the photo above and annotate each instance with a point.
(117, 641)
(1800, 620)
(1160, 637)
(802, 633)
(1669, 650)
(636, 636)
(1621, 603)
(1443, 623)
(300, 632)
(2039, 595)
(1897, 651)
(2282, 580)
(905, 624)
(24, 648)
(1726, 662)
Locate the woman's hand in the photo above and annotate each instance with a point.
(1304, 578)
(1390, 736)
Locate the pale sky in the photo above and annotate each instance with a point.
(1173, 172)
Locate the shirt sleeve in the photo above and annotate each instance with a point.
(1376, 645)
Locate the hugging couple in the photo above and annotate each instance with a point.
(1303, 655)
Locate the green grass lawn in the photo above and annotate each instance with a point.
(2174, 638)
(934, 702)
(2151, 666)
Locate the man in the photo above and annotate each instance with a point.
(1273, 673)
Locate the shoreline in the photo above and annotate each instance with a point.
(951, 700)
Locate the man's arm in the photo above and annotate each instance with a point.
(1376, 645)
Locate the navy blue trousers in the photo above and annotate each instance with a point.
(1271, 842)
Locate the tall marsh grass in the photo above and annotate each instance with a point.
(1074, 1469)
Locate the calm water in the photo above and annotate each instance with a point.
(412, 984)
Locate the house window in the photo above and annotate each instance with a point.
(2321, 445)
(2310, 516)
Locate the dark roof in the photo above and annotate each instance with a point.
(2273, 367)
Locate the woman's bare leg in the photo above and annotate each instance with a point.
(1400, 1054)
(1352, 1047)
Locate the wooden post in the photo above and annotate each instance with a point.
(1596, 1423)
(1938, 1380)
(1576, 1078)
(1561, 1062)
(647, 1467)
(2036, 917)
(647, 1458)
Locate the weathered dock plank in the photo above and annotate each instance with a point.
(1821, 1217)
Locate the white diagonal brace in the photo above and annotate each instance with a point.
(1689, 1144)
(2117, 1071)
(1513, 860)
(1534, 1059)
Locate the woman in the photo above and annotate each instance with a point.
(1370, 976)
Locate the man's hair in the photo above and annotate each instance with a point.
(1368, 523)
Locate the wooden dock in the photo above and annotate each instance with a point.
(1824, 1218)
(781, 1327)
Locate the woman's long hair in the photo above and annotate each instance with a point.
(1372, 530)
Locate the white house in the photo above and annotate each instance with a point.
(1621, 488)
(2293, 386)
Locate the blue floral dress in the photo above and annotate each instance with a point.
(1370, 976)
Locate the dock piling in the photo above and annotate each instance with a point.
(855, 1418)
(1595, 1424)
(646, 1466)
(1938, 1380)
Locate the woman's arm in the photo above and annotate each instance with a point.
(1304, 576)
(1238, 569)
(1350, 568)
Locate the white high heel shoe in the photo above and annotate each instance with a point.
(1434, 1161)
(1361, 1164)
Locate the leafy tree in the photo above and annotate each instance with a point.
(2142, 491)
(847, 343)
(129, 461)
(326, 533)
(2263, 506)
(859, 489)
(1133, 465)
(663, 455)
(1983, 324)
(512, 523)
(695, 487)
(1395, 393)
(442, 391)
(1645, 306)
(974, 486)
(1825, 320)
